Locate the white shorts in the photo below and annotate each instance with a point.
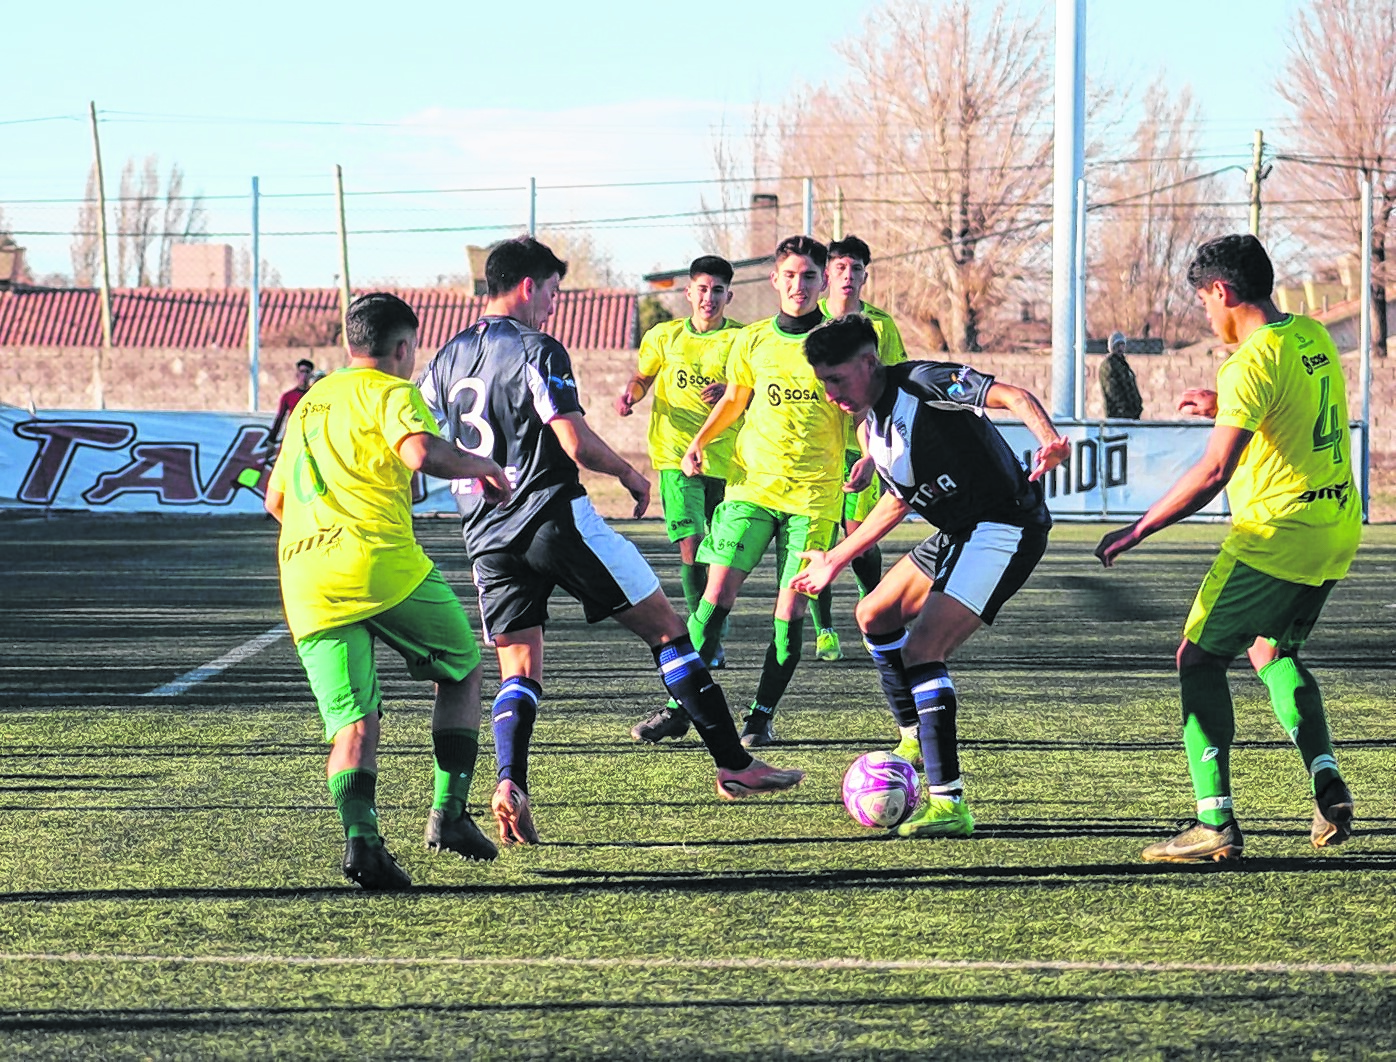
(983, 569)
(572, 548)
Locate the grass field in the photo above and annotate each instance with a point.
(169, 881)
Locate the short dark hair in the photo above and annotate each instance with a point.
(806, 246)
(513, 260)
(1240, 261)
(306, 364)
(713, 266)
(373, 323)
(839, 340)
(851, 247)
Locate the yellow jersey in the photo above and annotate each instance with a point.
(1296, 507)
(684, 362)
(789, 452)
(346, 550)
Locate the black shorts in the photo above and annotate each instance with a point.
(572, 548)
(984, 568)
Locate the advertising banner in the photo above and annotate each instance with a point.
(149, 462)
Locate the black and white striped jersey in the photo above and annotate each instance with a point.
(937, 450)
(494, 388)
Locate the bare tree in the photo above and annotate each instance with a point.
(136, 210)
(723, 228)
(589, 265)
(1340, 82)
(1150, 212)
(939, 138)
(185, 220)
(85, 250)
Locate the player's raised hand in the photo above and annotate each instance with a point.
(713, 392)
(860, 475)
(692, 462)
(639, 489)
(1049, 456)
(1116, 542)
(1199, 402)
(817, 574)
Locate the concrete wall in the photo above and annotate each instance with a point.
(216, 379)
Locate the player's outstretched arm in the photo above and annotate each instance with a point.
(592, 452)
(1198, 401)
(632, 392)
(1197, 486)
(434, 456)
(824, 568)
(729, 408)
(1024, 405)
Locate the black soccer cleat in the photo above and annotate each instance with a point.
(758, 730)
(1333, 810)
(459, 835)
(668, 722)
(371, 866)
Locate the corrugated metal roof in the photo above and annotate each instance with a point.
(160, 317)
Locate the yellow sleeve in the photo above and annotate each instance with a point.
(1245, 392)
(739, 370)
(652, 350)
(405, 412)
(890, 350)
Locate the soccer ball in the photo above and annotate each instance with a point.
(880, 789)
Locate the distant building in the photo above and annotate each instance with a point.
(201, 266)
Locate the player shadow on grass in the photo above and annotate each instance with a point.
(573, 881)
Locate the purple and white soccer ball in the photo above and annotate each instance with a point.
(880, 789)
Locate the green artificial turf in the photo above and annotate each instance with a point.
(170, 888)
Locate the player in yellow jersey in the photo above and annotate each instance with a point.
(1280, 447)
(685, 362)
(352, 573)
(849, 259)
(785, 479)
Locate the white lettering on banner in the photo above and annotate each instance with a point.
(190, 462)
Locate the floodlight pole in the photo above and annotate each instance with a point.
(254, 305)
(533, 206)
(1364, 340)
(104, 273)
(343, 258)
(1079, 335)
(809, 206)
(1068, 168)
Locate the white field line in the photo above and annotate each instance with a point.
(236, 656)
(876, 965)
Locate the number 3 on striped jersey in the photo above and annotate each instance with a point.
(470, 414)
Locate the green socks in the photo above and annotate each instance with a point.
(353, 791)
(782, 656)
(1209, 727)
(705, 626)
(695, 581)
(455, 752)
(1298, 705)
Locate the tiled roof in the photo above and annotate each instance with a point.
(160, 317)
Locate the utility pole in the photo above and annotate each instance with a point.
(105, 273)
(1254, 176)
(343, 259)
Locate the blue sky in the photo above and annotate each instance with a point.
(429, 95)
